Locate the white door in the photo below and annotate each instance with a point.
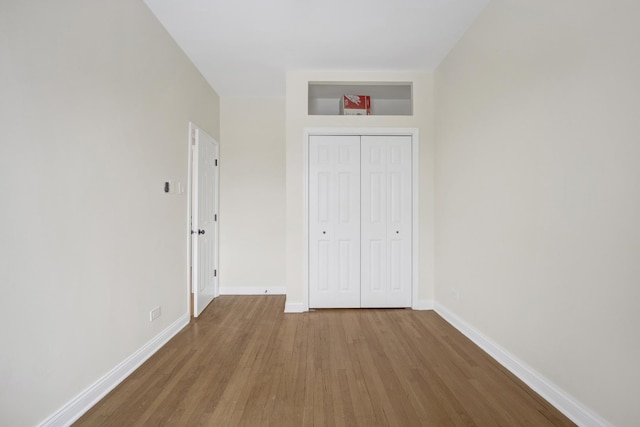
(386, 221)
(334, 221)
(204, 221)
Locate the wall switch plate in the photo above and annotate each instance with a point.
(154, 314)
(172, 186)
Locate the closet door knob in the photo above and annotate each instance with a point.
(200, 231)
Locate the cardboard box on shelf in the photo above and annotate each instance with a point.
(355, 105)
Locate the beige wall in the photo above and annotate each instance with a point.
(252, 194)
(538, 201)
(297, 120)
(96, 100)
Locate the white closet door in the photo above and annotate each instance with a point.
(334, 221)
(386, 221)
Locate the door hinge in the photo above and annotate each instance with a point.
(216, 164)
(215, 273)
(215, 217)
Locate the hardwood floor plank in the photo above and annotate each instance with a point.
(244, 362)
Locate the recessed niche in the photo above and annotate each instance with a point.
(387, 98)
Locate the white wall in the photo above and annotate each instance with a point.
(252, 195)
(538, 196)
(297, 120)
(96, 100)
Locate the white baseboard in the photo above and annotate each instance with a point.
(294, 307)
(253, 290)
(563, 401)
(423, 304)
(80, 404)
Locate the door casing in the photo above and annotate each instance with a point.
(415, 143)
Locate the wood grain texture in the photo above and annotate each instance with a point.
(246, 363)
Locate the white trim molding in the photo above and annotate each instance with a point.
(414, 133)
(80, 404)
(423, 304)
(253, 290)
(295, 307)
(563, 401)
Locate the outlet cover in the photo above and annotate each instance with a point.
(154, 314)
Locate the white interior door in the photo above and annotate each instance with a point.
(334, 221)
(386, 221)
(204, 221)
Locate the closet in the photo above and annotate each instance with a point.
(360, 221)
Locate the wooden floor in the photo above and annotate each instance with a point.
(245, 363)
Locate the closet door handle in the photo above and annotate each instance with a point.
(200, 231)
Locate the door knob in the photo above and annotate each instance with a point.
(200, 231)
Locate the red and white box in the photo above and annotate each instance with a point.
(355, 105)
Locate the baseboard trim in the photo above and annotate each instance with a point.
(562, 400)
(423, 304)
(80, 404)
(294, 307)
(253, 290)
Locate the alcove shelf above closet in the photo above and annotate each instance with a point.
(387, 98)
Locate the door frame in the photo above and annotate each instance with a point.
(190, 196)
(414, 133)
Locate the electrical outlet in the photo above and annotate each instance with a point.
(154, 314)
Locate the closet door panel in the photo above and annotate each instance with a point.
(386, 221)
(374, 269)
(334, 221)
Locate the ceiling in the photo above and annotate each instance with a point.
(244, 47)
